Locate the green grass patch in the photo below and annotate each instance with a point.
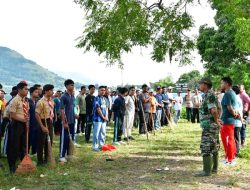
(135, 166)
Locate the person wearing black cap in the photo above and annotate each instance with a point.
(44, 116)
(33, 125)
(210, 111)
(68, 118)
(19, 111)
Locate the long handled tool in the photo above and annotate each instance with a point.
(144, 121)
(50, 157)
(170, 122)
(26, 166)
(71, 144)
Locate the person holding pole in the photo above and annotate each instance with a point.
(44, 116)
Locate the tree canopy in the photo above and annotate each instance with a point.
(225, 50)
(191, 79)
(116, 26)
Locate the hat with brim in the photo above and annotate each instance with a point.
(170, 87)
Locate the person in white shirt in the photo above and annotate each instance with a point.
(197, 101)
(129, 115)
(178, 107)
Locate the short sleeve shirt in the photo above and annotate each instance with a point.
(146, 106)
(229, 98)
(210, 101)
(80, 101)
(44, 108)
(68, 104)
(16, 106)
(102, 103)
(159, 98)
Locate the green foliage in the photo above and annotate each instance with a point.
(191, 79)
(115, 27)
(225, 50)
(168, 81)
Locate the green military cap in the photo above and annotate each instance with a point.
(206, 80)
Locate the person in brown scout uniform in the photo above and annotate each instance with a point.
(44, 116)
(19, 108)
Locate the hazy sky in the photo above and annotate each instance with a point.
(45, 32)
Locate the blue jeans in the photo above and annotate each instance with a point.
(177, 116)
(99, 134)
(158, 119)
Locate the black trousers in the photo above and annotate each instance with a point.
(189, 113)
(89, 124)
(16, 144)
(42, 142)
(81, 123)
(195, 115)
(58, 125)
(237, 139)
(118, 128)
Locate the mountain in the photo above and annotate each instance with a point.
(14, 68)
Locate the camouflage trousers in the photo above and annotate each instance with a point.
(210, 142)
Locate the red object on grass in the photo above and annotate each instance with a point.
(108, 147)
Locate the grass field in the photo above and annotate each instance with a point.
(135, 166)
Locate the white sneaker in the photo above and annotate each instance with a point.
(225, 161)
(233, 163)
(116, 143)
(120, 142)
(96, 149)
(63, 159)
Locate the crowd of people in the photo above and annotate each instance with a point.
(70, 115)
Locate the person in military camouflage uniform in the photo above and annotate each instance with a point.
(210, 124)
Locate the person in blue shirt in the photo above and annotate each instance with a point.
(229, 116)
(68, 117)
(100, 119)
(33, 124)
(165, 110)
(158, 114)
(118, 109)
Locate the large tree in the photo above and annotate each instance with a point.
(116, 26)
(224, 49)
